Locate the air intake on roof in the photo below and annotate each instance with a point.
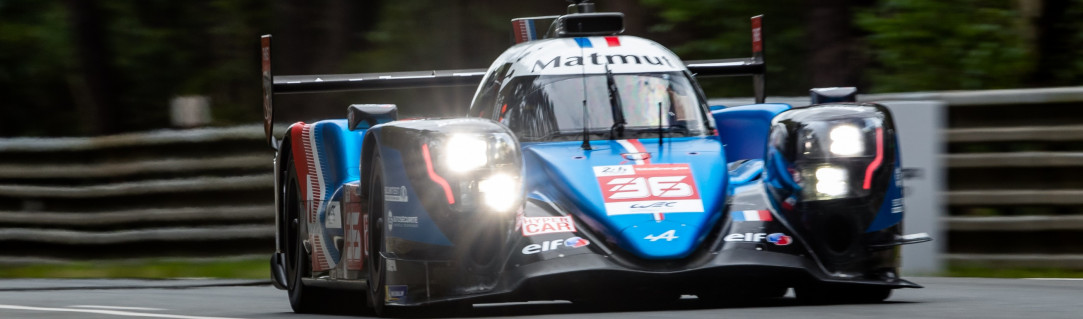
(588, 24)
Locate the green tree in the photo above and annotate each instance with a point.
(946, 45)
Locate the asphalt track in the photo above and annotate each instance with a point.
(205, 299)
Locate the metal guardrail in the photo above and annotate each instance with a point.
(113, 205)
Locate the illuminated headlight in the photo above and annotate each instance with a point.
(847, 140)
(831, 181)
(465, 152)
(500, 192)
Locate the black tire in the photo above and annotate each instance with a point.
(377, 275)
(302, 299)
(833, 294)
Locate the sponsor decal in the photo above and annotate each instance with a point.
(400, 221)
(599, 59)
(354, 229)
(779, 239)
(395, 294)
(574, 242)
(752, 215)
(547, 225)
(395, 194)
(648, 189)
(334, 216)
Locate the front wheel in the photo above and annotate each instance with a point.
(375, 207)
(302, 299)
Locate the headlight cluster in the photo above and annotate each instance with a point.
(484, 168)
(834, 164)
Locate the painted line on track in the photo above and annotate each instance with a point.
(109, 312)
(1065, 279)
(116, 307)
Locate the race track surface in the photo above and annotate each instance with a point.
(204, 299)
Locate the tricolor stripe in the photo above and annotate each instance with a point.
(586, 43)
(524, 30)
(634, 146)
(752, 216)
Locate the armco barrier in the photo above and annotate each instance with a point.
(1013, 195)
(171, 193)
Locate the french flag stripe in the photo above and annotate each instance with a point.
(752, 215)
(583, 43)
(612, 41)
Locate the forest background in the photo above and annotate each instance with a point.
(86, 67)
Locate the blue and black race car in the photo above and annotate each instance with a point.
(589, 168)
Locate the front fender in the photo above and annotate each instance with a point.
(832, 172)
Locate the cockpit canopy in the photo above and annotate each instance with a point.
(551, 108)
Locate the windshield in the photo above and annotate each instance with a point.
(546, 108)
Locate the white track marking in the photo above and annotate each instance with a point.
(1067, 279)
(109, 312)
(116, 307)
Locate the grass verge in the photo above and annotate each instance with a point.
(239, 268)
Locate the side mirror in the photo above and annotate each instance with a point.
(363, 116)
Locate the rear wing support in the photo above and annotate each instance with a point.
(754, 66)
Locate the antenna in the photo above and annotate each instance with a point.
(583, 75)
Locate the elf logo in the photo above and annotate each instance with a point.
(574, 242)
(778, 239)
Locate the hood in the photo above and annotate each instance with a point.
(656, 202)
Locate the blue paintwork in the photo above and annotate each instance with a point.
(339, 151)
(744, 129)
(425, 230)
(745, 173)
(563, 172)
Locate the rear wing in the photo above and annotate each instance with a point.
(290, 84)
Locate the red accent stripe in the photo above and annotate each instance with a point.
(879, 158)
(640, 149)
(436, 178)
(612, 41)
(518, 28)
(503, 109)
(765, 215)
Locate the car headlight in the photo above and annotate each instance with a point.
(847, 140)
(831, 181)
(500, 192)
(465, 153)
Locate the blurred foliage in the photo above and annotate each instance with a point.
(713, 29)
(154, 50)
(35, 59)
(946, 45)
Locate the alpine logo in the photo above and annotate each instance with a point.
(779, 239)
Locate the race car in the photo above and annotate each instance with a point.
(589, 168)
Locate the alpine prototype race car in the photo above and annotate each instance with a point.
(589, 168)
